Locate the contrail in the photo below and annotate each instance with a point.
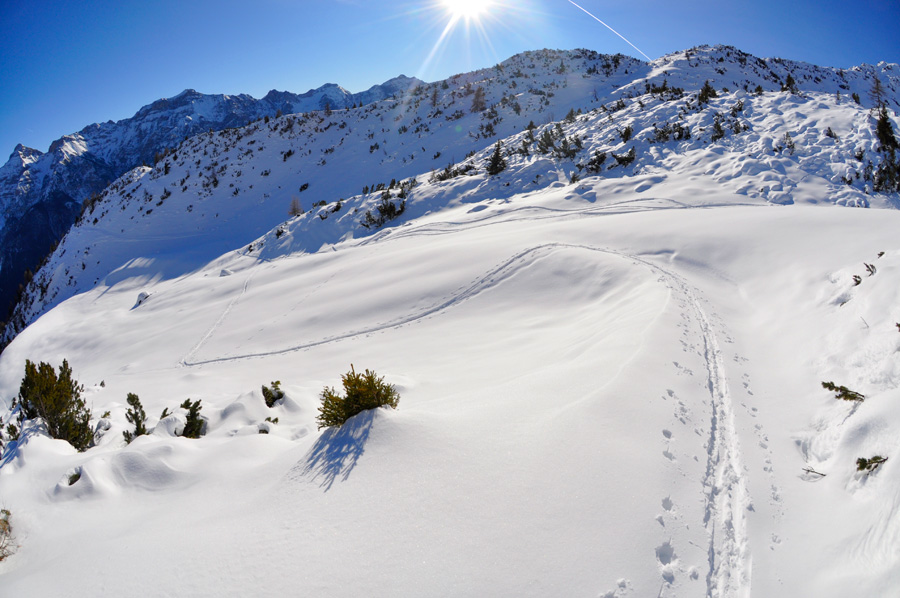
(610, 28)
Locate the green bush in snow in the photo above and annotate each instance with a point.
(361, 392)
(842, 392)
(135, 415)
(272, 395)
(56, 399)
(194, 424)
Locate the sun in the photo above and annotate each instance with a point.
(466, 9)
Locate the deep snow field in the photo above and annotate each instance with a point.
(613, 394)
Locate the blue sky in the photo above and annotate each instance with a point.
(66, 64)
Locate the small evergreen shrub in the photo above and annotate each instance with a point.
(135, 415)
(842, 392)
(479, 104)
(496, 164)
(385, 211)
(787, 143)
(718, 131)
(6, 546)
(56, 399)
(790, 85)
(625, 159)
(707, 92)
(595, 164)
(194, 424)
(272, 395)
(870, 464)
(362, 392)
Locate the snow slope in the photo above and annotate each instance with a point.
(591, 392)
(609, 387)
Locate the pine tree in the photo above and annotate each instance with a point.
(478, 102)
(707, 92)
(885, 130)
(877, 94)
(135, 415)
(56, 400)
(887, 177)
(193, 426)
(790, 85)
(496, 164)
(296, 209)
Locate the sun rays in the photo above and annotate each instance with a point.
(469, 10)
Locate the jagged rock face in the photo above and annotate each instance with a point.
(41, 193)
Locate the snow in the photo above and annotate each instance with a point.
(586, 397)
(610, 387)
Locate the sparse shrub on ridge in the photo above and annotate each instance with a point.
(386, 210)
(6, 545)
(625, 159)
(56, 399)
(135, 415)
(272, 395)
(842, 392)
(362, 392)
(870, 464)
(496, 163)
(707, 92)
(193, 427)
(595, 164)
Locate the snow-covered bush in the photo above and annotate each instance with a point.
(272, 395)
(57, 401)
(363, 391)
(496, 163)
(135, 415)
(193, 426)
(870, 464)
(842, 392)
(6, 546)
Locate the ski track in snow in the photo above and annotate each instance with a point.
(727, 493)
(485, 282)
(185, 361)
(725, 487)
(729, 574)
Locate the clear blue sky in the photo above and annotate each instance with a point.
(66, 64)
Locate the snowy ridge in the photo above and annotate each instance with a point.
(45, 190)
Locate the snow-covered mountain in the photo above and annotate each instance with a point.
(608, 292)
(219, 190)
(41, 193)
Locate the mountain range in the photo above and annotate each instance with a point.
(41, 193)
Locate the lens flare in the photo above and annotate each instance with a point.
(466, 9)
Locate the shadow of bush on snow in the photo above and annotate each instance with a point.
(337, 451)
